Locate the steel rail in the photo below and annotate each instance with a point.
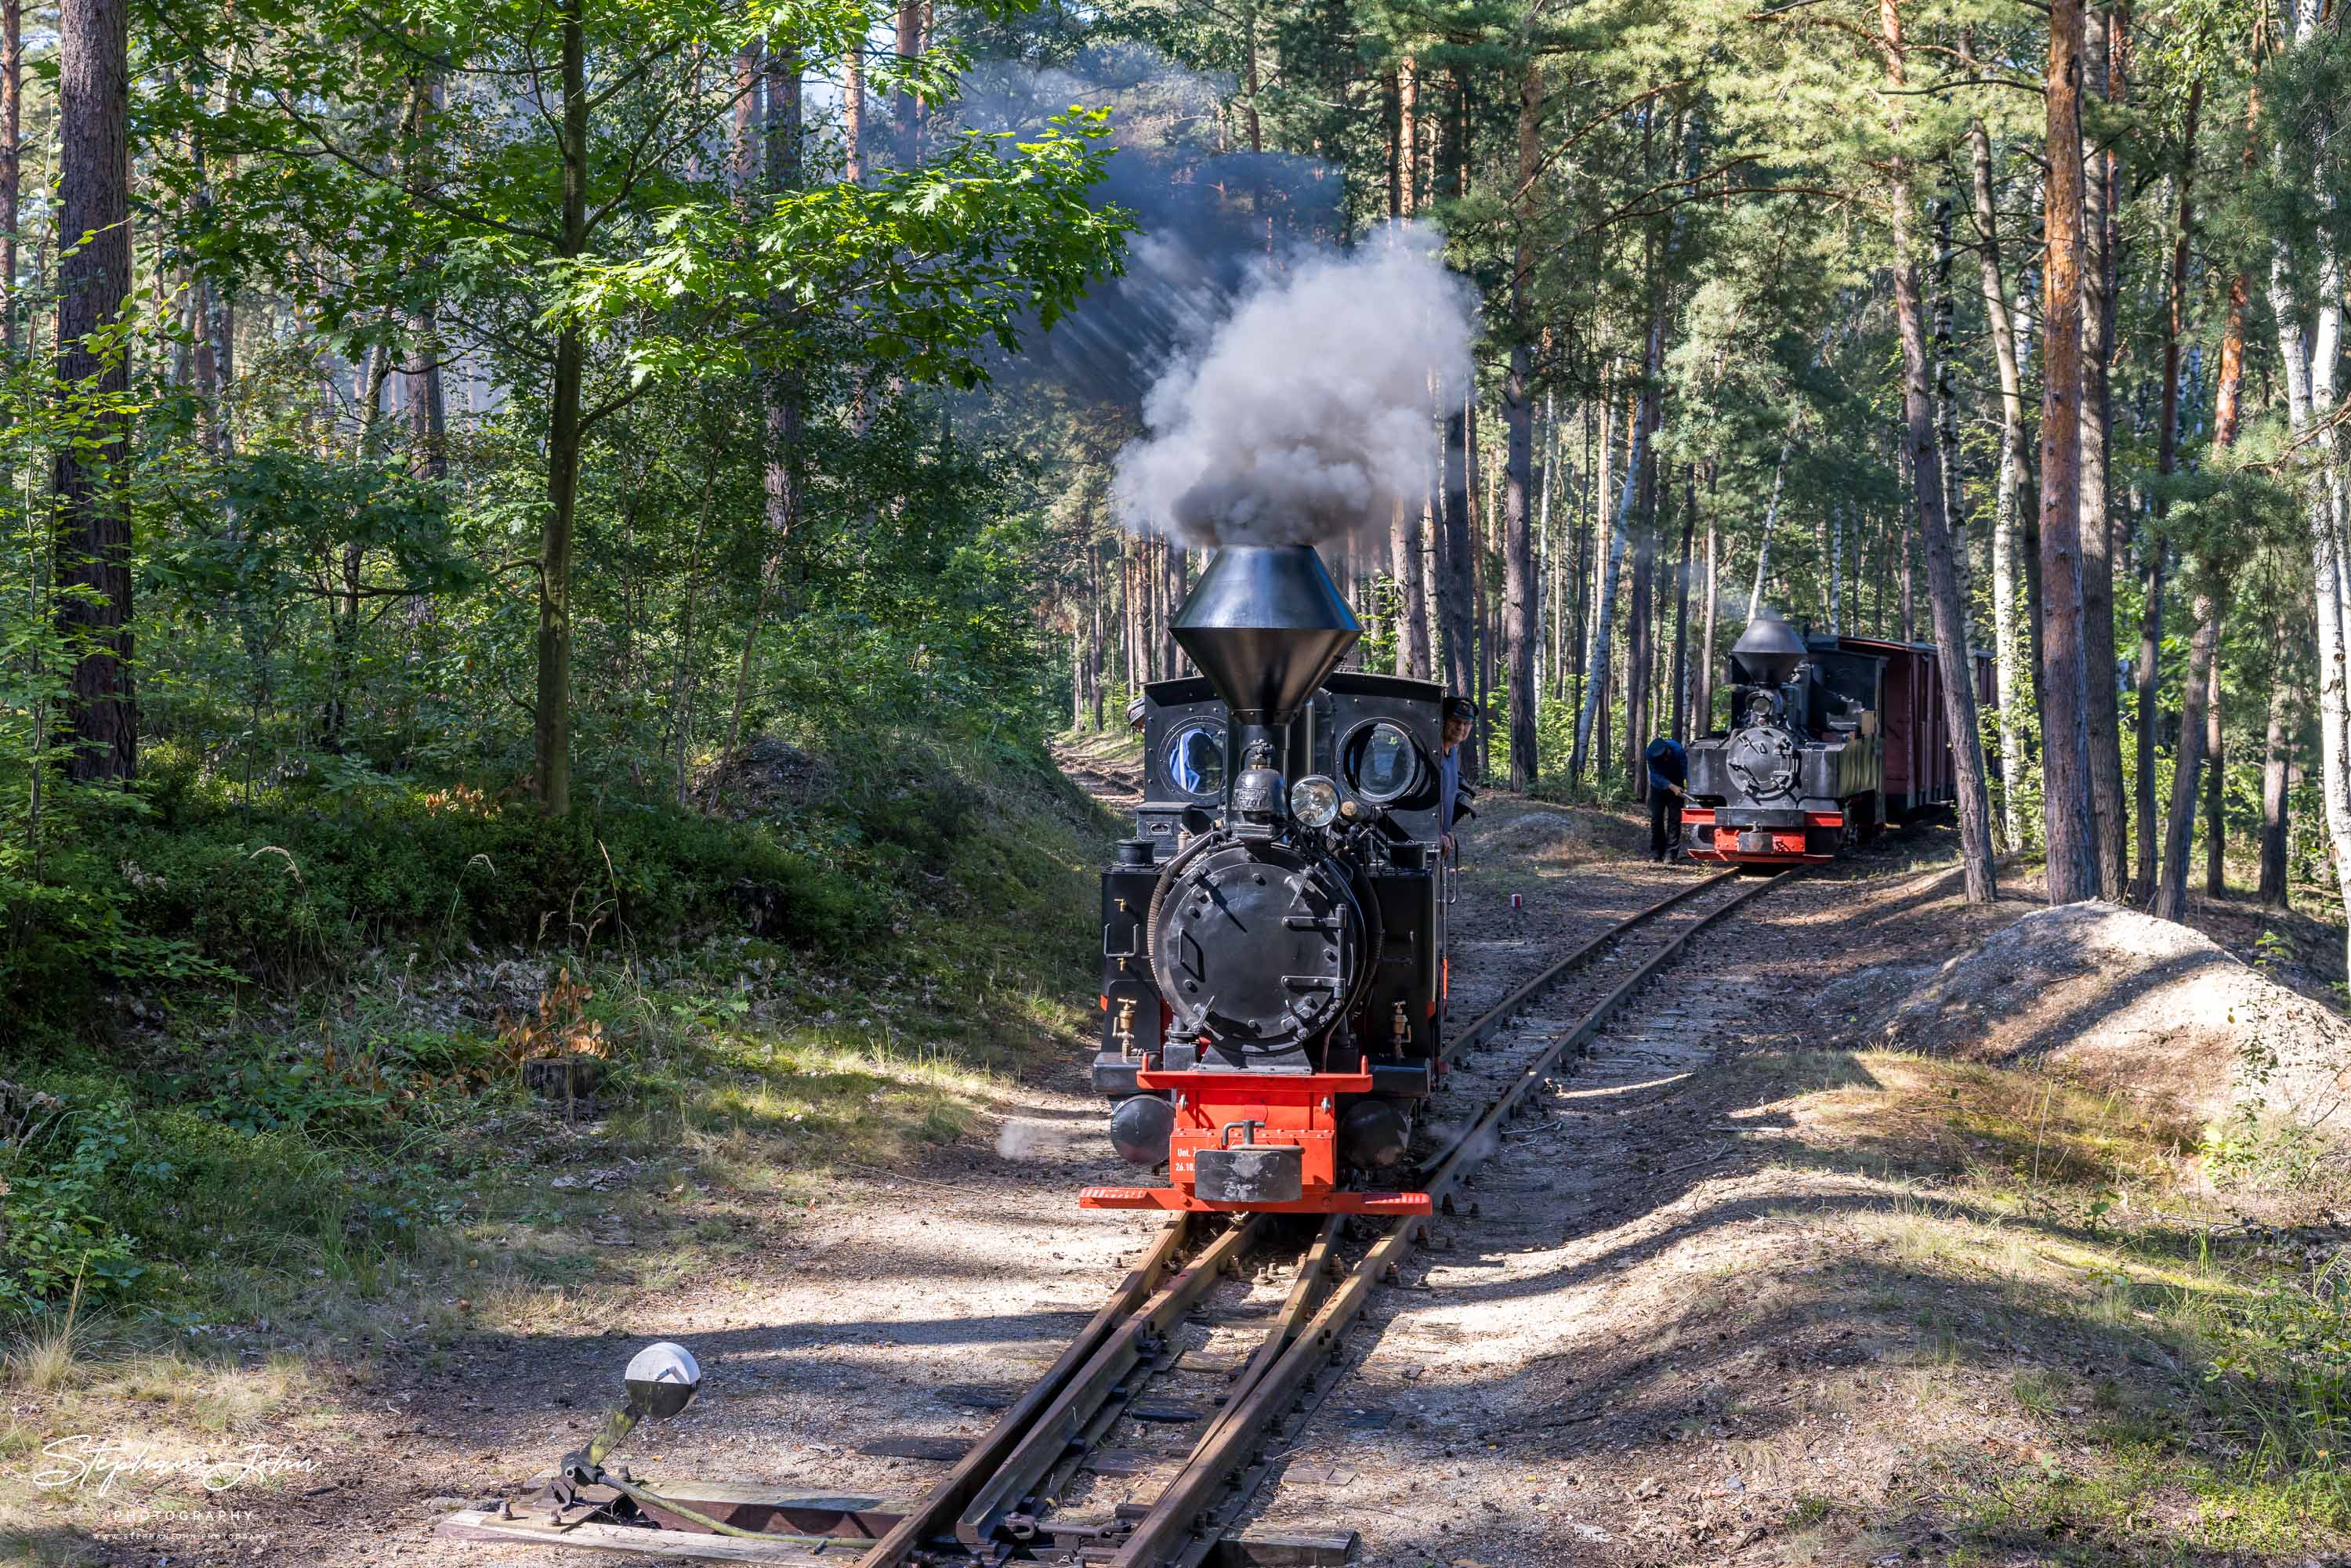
(1171, 1535)
(1033, 1441)
(1056, 1426)
(1590, 1024)
(937, 1514)
(1500, 1013)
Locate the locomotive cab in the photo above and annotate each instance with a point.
(1273, 941)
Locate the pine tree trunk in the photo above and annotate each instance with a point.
(1763, 546)
(1392, 120)
(93, 540)
(1579, 573)
(1682, 605)
(2277, 765)
(1909, 546)
(1702, 708)
(1638, 672)
(743, 144)
(1926, 479)
(2073, 849)
(852, 115)
(1251, 120)
(2150, 638)
(12, 158)
(1412, 598)
(1520, 592)
(2179, 823)
(2101, 716)
(768, 131)
(1098, 653)
(1946, 406)
(2215, 773)
(1453, 586)
(1554, 560)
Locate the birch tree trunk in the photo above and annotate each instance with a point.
(1836, 568)
(2170, 898)
(1412, 605)
(1595, 671)
(2073, 853)
(2309, 341)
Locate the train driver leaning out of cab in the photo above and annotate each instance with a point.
(1459, 713)
(1669, 773)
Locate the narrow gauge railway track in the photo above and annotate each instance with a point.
(1022, 1490)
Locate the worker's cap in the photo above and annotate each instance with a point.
(1461, 708)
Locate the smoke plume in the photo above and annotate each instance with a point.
(1207, 219)
(1308, 413)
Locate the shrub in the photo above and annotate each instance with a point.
(53, 1166)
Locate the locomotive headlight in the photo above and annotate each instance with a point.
(1314, 801)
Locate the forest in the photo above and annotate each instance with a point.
(540, 401)
(442, 438)
(575, 582)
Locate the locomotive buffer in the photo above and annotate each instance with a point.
(1272, 983)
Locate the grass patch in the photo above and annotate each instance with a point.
(2181, 1351)
(258, 1186)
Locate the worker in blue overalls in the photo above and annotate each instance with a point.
(1668, 772)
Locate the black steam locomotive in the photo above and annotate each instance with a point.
(1829, 739)
(1273, 937)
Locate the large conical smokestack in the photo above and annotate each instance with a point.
(1770, 649)
(1265, 624)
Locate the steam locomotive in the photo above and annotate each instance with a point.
(1273, 936)
(1829, 739)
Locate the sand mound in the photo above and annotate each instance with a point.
(2141, 1005)
(1555, 835)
